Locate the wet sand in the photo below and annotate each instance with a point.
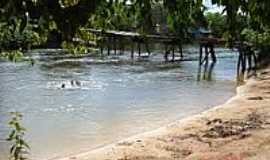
(236, 130)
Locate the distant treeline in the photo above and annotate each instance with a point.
(38, 23)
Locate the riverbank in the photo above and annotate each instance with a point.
(236, 130)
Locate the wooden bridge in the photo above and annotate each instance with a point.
(109, 39)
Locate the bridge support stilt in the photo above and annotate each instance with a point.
(114, 45)
(108, 46)
(139, 48)
(132, 50)
(173, 55)
(204, 57)
(247, 61)
(181, 51)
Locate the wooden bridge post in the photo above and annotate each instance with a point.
(132, 49)
(167, 52)
(101, 49)
(244, 61)
(201, 53)
(205, 70)
(114, 45)
(206, 53)
(241, 60)
(173, 56)
(100, 44)
(255, 60)
(122, 47)
(147, 48)
(108, 46)
(139, 48)
(251, 56)
(181, 51)
(212, 52)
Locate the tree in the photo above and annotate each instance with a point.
(217, 23)
(68, 15)
(183, 15)
(114, 16)
(255, 14)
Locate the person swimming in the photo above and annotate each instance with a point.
(72, 82)
(75, 83)
(78, 83)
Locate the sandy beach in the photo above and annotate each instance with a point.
(236, 130)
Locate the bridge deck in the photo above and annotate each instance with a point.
(126, 34)
(206, 49)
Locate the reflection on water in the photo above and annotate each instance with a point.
(76, 104)
(206, 73)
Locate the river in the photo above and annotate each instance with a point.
(72, 105)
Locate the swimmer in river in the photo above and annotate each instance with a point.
(72, 82)
(75, 82)
(78, 83)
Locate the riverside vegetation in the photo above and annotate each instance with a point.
(26, 24)
(19, 147)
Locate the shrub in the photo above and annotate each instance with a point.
(19, 148)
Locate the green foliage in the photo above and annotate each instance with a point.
(12, 38)
(13, 55)
(19, 148)
(75, 49)
(85, 35)
(68, 3)
(114, 16)
(217, 23)
(143, 14)
(253, 13)
(24, 23)
(13, 41)
(68, 15)
(255, 37)
(231, 8)
(184, 15)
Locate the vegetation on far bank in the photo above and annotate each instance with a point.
(26, 24)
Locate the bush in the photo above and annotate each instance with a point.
(12, 38)
(19, 148)
(255, 37)
(75, 48)
(13, 55)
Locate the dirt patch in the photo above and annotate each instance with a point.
(142, 158)
(234, 127)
